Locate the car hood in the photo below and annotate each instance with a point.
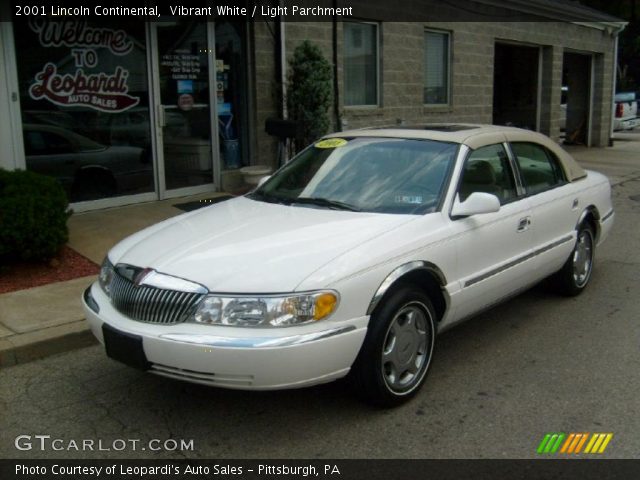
(243, 245)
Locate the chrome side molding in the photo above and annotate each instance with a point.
(399, 272)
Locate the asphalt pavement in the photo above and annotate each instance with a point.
(537, 364)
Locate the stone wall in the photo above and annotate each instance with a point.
(472, 69)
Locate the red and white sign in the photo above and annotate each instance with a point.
(79, 34)
(107, 92)
(101, 91)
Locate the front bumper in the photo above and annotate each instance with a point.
(241, 358)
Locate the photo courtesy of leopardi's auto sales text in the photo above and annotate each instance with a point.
(337, 239)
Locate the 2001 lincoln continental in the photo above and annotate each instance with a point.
(350, 259)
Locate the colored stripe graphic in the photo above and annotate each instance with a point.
(572, 443)
(598, 443)
(551, 442)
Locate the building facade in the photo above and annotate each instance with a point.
(134, 111)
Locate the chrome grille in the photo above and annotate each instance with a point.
(151, 304)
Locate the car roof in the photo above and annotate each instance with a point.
(470, 134)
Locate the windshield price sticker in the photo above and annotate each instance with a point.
(331, 143)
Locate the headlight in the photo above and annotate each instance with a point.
(106, 275)
(266, 311)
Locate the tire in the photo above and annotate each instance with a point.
(574, 276)
(396, 354)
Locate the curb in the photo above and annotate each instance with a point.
(26, 347)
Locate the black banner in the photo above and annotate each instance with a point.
(309, 10)
(583, 469)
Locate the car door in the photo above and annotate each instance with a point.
(493, 248)
(555, 205)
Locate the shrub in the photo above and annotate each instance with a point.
(309, 93)
(33, 216)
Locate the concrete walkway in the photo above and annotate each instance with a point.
(41, 321)
(620, 162)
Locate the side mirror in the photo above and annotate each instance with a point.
(263, 179)
(476, 203)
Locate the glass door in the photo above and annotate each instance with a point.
(185, 134)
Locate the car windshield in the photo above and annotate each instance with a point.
(382, 175)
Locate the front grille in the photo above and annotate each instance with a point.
(151, 304)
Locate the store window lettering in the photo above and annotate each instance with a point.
(182, 64)
(79, 34)
(106, 92)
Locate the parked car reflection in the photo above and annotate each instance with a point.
(132, 127)
(87, 169)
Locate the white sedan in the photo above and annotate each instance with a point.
(350, 259)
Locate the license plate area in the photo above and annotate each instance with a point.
(124, 347)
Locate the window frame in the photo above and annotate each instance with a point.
(449, 93)
(553, 161)
(514, 174)
(378, 75)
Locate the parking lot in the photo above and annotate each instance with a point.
(537, 364)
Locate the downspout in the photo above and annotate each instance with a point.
(613, 87)
(336, 90)
(279, 60)
(283, 67)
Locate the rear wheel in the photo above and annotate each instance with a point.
(574, 276)
(395, 357)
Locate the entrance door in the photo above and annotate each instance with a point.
(186, 137)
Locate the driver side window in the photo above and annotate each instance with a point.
(488, 170)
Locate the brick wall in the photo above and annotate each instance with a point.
(472, 69)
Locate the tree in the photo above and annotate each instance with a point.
(309, 93)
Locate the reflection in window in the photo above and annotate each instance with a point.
(88, 140)
(539, 167)
(372, 174)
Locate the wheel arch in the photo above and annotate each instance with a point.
(591, 215)
(425, 275)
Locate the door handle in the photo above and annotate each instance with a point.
(161, 117)
(523, 224)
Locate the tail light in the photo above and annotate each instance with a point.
(619, 110)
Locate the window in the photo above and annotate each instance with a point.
(539, 167)
(436, 67)
(360, 63)
(382, 175)
(68, 122)
(488, 170)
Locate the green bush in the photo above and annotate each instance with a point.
(33, 216)
(309, 93)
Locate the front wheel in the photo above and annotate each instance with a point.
(574, 276)
(395, 357)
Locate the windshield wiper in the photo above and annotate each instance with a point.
(325, 202)
(267, 197)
